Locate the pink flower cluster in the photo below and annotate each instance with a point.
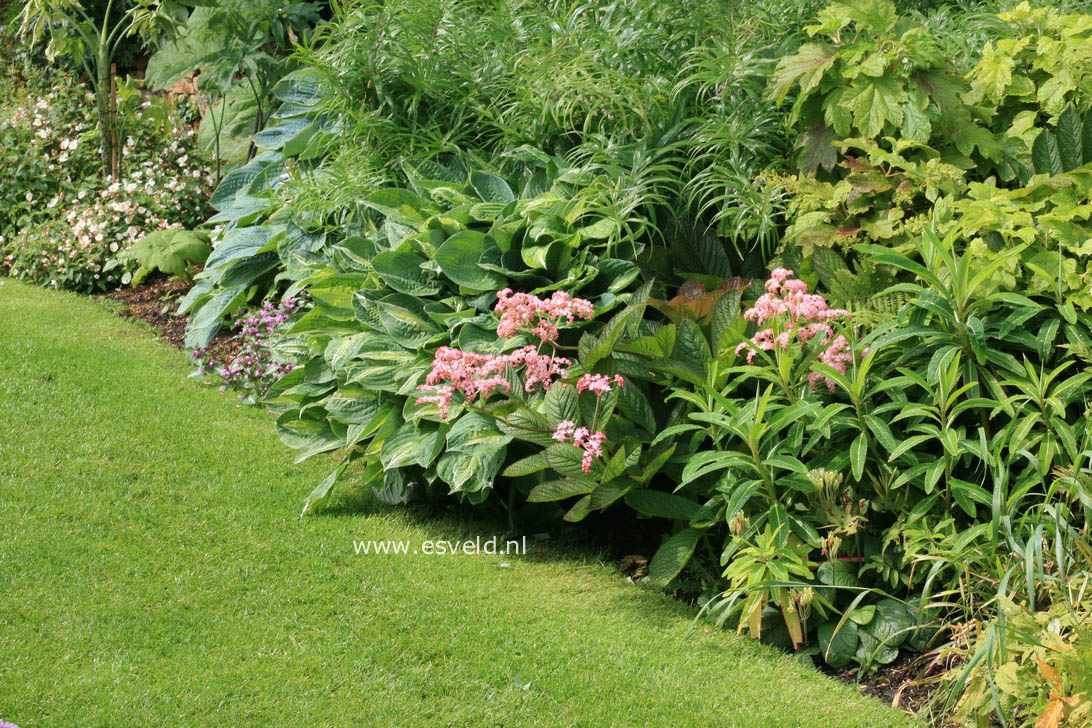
(479, 375)
(590, 442)
(800, 315)
(542, 316)
(598, 384)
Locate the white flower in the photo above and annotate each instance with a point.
(113, 247)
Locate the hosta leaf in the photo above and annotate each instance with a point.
(490, 187)
(673, 555)
(458, 259)
(403, 272)
(412, 443)
(473, 431)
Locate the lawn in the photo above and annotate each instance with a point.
(154, 571)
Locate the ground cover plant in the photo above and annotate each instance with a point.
(243, 613)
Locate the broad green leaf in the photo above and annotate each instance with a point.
(458, 259)
(555, 490)
(1045, 154)
(404, 272)
(673, 555)
(664, 505)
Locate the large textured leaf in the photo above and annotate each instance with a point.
(473, 431)
(403, 272)
(458, 259)
(470, 472)
(664, 505)
(239, 243)
(875, 103)
(490, 187)
(1069, 139)
(805, 67)
(204, 324)
(673, 555)
(413, 444)
(1045, 155)
(838, 645)
(171, 251)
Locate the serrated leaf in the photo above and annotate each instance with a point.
(805, 67)
(1069, 139)
(1045, 155)
(673, 555)
(555, 490)
(663, 505)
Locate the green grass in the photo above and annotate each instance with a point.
(153, 571)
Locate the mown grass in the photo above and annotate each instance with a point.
(153, 571)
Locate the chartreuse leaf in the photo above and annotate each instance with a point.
(805, 67)
(673, 555)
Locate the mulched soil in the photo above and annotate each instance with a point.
(156, 301)
(908, 683)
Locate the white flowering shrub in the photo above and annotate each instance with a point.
(62, 224)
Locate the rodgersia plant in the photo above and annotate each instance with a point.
(477, 376)
(797, 332)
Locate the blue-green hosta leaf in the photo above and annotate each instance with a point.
(490, 187)
(473, 431)
(310, 434)
(470, 472)
(206, 321)
(401, 206)
(240, 243)
(673, 555)
(412, 444)
(403, 272)
(458, 259)
(404, 318)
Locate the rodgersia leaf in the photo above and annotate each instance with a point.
(876, 102)
(806, 66)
